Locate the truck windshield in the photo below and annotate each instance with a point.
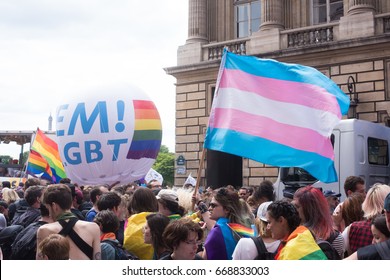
(295, 174)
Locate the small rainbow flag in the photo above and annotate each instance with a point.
(47, 149)
(38, 166)
(242, 230)
(147, 131)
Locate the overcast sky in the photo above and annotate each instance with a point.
(51, 50)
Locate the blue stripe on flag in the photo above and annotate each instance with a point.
(35, 171)
(263, 150)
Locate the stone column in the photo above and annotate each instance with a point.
(272, 14)
(359, 21)
(197, 21)
(361, 6)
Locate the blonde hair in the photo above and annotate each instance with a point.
(10, 195)
(261, 227)
(125, 200)
(185, 198)
(252, 201)
(375, 199)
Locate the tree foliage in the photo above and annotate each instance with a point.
(25, 156)
(5, 159)
(165, 165)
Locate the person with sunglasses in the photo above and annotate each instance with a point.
(333, 199)
(224, 208)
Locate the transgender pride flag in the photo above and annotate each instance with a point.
(276, 113)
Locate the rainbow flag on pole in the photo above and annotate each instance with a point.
(44, 157)
(38, 166)
(276, 113)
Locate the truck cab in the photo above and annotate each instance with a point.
(361, 148)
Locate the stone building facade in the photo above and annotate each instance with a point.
(347, 40)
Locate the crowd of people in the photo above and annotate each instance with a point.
(67, 221)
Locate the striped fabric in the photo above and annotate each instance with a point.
(300, 245)
(242, 230)
(147, 131)
(276, 113)
(38, 166)
(47, 149)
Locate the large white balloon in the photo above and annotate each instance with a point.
(108, 135)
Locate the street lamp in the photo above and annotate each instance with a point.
(354, 98)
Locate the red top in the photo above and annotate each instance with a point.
(360, 235)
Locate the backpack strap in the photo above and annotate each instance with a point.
(113, 244)
(67, 229)
(334, 234)
(383, 250)
(261, 249)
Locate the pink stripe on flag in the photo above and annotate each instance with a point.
(292, 136)
(285, 91)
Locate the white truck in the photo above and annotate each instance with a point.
(361, 148)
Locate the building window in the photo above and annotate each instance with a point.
(247, 17)
(325, 11)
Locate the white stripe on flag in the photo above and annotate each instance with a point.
(302, 116)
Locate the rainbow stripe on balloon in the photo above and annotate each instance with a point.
(147, 131)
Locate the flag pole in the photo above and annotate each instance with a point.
(23, 172)
(25, 175)
(199, 176)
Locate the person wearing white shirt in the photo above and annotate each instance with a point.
(246, 248)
